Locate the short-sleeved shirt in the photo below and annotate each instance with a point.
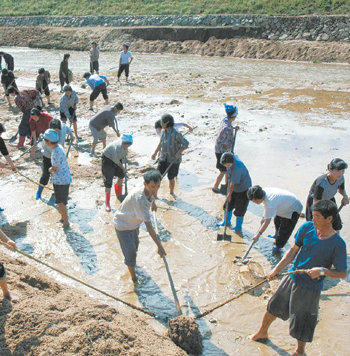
(42, 124)
(239, 176)
(62, 175)
(3, 148)
(316, 252)
(322, 189)
(134, 210)
(124, 57)
(171, 142)
(8, 79)
(46, 150)
(115, 152)
(103, 118)
(95, 79)
(225, 137)
(280, 202)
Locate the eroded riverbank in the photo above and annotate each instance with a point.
(293, 119)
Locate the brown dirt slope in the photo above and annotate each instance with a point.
(52, 319)
(112, 38)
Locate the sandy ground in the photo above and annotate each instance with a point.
(293, 120)
(112, 38)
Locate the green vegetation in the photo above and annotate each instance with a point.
(172, 7)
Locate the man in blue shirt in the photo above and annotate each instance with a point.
(98, 84)
(317, 248)
(240, 182)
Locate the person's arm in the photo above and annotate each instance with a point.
(10, 244)
(10, 162)
(151, 231)
(285, 261)
(190, 128)
(64, 107)
(34, 143)
(345, 199)
(231, 188)
(131, 58)
(156, 151)
(331, 273)
(264, 224)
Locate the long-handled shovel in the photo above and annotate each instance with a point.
(178, 308)
(340, 208)
(13, 138)
(225, 237)
(244, 259)
(28, 149)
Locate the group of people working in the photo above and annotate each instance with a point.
(317, 245)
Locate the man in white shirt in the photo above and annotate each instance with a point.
(134, 210)
(125, 60)
(281, 205)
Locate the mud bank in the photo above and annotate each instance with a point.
(205, 42)
(52, 319)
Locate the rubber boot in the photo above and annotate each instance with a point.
(21, 140)
(38, 193)
(222, 223)
(107, 204)
(239, 223)
(118, 190)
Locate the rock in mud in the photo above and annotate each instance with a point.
(184, 332)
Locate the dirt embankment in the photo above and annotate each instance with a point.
(112, 38)
(52, 319)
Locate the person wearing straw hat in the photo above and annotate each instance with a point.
(326, 186)
(135, 210)
(3, 281)
(240, 182)
(125, 60)
(224, 143)
(113, 157)
(63, 130)
(61, 176)
(171, 145)
(281, 205)
(317, 248)
(98, 123)
(94, 56)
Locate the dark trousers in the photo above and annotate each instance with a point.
(64, 80)
(94, 67)
(239, 203)
(45, 175)
(284, 228)
(46, 89)
(122, 68)
(102, 88)
(24, 128)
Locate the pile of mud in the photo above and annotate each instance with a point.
(52, 319)
(111, 39)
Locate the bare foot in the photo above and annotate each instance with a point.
(259, 336)
(296, 353)
(11, 298)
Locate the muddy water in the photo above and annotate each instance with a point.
(293, 119)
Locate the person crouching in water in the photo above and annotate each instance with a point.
(171, 145)
(61, 176)
(63, 130)
(113, 157)
(224, 143)
(240, 182)
(135, 210)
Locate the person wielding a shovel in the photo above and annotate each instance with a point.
(326, 186)
(4, 151)
(68, 107)
(63, 131)
(240, 182)
(113, 157)
(224, 143)
(171, 145)
(317, 248)
(281, 205)
(134, 210)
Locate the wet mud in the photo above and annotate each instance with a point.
(293, 120)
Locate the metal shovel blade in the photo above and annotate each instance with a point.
(224, 237)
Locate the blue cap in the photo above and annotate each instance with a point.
(51, 135)
(127, 139)
(231, 110)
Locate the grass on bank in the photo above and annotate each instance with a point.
(172, 7)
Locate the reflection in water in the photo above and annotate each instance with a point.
(84, 250)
